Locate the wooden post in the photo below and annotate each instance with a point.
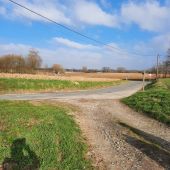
(143, 86)
(157, 67)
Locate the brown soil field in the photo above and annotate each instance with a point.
(79, 76)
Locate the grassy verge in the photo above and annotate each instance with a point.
(16, 84)
(155, 101)
(40, 136)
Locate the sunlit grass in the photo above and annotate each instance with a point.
(46, 134)
(16, 84)
(155, 101)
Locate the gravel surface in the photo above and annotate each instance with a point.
(121, 139)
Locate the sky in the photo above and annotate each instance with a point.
(136, 29)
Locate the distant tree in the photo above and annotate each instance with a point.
(121, 69)
(12, 63)
(19, 64)
(106, 69)
(167, 63)
(151, 70)
(84, 69)
(58, 69)
(33, 60)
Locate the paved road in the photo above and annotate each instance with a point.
(115, 92)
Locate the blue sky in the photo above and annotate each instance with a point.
(138, 29)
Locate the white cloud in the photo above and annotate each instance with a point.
(70, 13)
(90, 13)
(72, 59)
(12, 48)
(51, 9)
(149, 15)
(158, 44)
(2, 10)
(162, 42)
(72, 44)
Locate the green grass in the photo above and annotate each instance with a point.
(155, 101)
(40, 135)
(16, 84)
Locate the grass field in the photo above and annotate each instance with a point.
(16, 84)
(40, 136)
(155, 101)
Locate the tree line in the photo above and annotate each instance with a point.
(166, 64)
(12, 63)
(163, 67)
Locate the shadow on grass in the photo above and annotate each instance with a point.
(154, 147)
(22, 157)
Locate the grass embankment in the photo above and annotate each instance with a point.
(155, 101)
(16, 84)
(40, 136)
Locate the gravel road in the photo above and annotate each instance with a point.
(122, 139)
(118, 137)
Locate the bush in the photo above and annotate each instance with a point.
(58, 69)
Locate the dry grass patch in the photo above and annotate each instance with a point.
(78, 76)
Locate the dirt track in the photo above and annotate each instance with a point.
(118, 138)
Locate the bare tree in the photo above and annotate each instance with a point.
(58, 69)
(12, 63)
(167, 63)
(33, 60)
(106, 69)
(17, 63)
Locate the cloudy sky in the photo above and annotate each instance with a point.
(136, 29)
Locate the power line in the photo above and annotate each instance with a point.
(74, 31)
(61, 25)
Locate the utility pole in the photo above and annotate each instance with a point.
(157, 67)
